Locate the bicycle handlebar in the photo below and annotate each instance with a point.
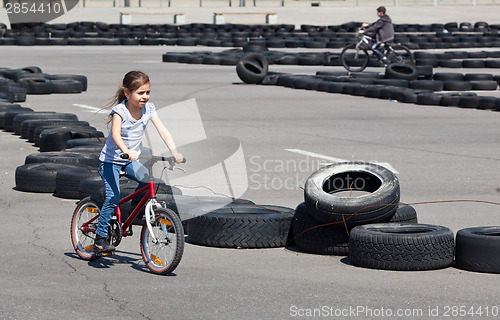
(171, 160)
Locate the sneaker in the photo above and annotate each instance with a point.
(102, 245)
(385, 61)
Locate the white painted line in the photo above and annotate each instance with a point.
(316, 155)
(337, 160)
(91, 109)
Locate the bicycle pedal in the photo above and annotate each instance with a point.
(130, 232)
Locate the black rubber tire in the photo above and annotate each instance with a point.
(450, 100)
(373, 91)
(450, 63)
(456, 85)
(377, 206)
(20, 118)
(56, 139)
(486, 103)
(478, 249)
(490, 85)
(38, 177)
(68, 181)
(36, 85)
(448, 76)
(425, 72)
(473, 63)
(34, 127)
(310, 59)
(390, 92)
(287, 59)
(396, 246)
(63, 157)
(405, 214)
(257, 227)
(429, 99)
(66, 86)
(392, 82)
(252, 68)
(470, 102)
(433, 85)
(401, 71)
(8, 119)
(317, 237)
(271, 78)
(492, 63)
(84, 142)
(77, 77)
(479, 77)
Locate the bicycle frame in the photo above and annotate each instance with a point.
(150, 195)
(365, 39)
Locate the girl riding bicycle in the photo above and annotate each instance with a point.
(130, 114)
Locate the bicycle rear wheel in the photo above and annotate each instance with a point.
(401, 54)
(82, 236)
(354, 59)
(163, 255)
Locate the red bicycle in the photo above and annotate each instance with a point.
(162, 236)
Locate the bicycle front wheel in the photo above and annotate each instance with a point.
(82, 231)
(163, 253)
(354, 59)
(401, 54)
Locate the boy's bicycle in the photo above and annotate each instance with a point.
(355, 57)
(162, 236)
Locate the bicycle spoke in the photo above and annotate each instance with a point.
(162, 253)
(353, 58)
(83, 226)
(401, 54)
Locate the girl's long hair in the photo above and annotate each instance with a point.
(131, 81)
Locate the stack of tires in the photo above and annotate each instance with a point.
(63, 162)
(232, 223)
(346, 203)
(353, 209)
(31, 80)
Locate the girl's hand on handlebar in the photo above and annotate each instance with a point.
(133, 155)
(178, 157)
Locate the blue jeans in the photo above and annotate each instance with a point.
(375, 49)
(110, 174)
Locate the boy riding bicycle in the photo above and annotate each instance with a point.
(382, 30)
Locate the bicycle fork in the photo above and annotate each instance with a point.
(150, 216)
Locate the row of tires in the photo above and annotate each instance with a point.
(401, 82)
(49, 131)
(15, 83)
(415, 91)
(90, 26)
(354, 209)
(232, 56)
(232, 35)
(203, 40)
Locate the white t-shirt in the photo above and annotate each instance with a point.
(131, 132)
